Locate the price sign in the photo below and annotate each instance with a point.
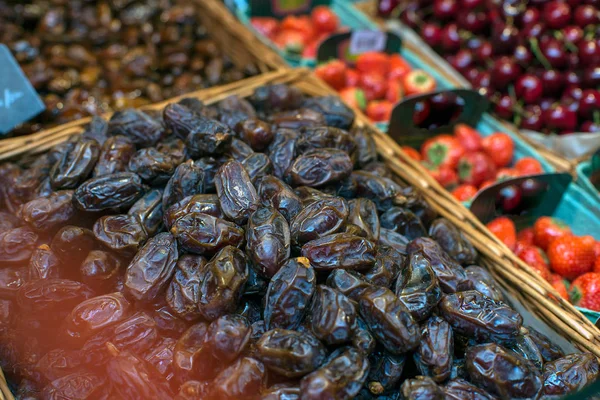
(364, 41)
(19, 101)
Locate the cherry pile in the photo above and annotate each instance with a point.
(538, 61)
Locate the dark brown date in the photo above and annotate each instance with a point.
(289, 293)
(114, 156)
(153, 166)
(341, 377)
(11, 279)
(281, 392)
(237, 195)
(180, 118)
(290, 353)
(548, 350)
(58, 363)
(8, 221)
(393, 239)
(201, 233)
(72, 244)
(282, 151)
(389, 267)
(362, 339)
(460, 389)
(183, 291)
(152, 267)
(385, 372)
(273, 98)
(78, 385)
(434, 355)
(421, 388)
(267, 240)
(363, 213)
(43, 264)
(123, 233)
(49, 213)
(228, 336)
(175, 148)
(208, 137)
(333, 316)
(137, 126)
(482, 281)
(335, 111)
(238, 151)
(192, 358)
(502, 372)
(17, 245)
(570, 374)
(366, 149)
(275, 193)
(326, 137)
(320, 167)
(100, 270)
(340, 250)
(257, 165)
(161, 357)
(223, 280)
(149, 211)
(134, 378)
(187, 180)
(243, 379)
(256, 133)
(452, 241)
(404, 222)
(297, 119)
(349, 283)
(200, 203)
(109, 191)
(472, 314)
(75, 165)
(318, 219)
(420, 292)
(389, 320)
(382, 191)
(47, 295)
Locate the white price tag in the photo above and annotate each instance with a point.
(363, 41)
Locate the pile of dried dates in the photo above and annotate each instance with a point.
(89, 57)
(254, 249)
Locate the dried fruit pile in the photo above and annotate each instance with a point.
(299, 34)
(376, 83)
(255, 248)
(87, 58)
(538, 61)
(569, 262)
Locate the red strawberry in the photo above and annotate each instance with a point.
(333, 73)
(585, 291)
(561, 285)
(475, 167)
(468, 137)
(504, 229)
(265, 25)
(526, 235)
(444, 175)
(412, 153)
(394, 91)
(301, 24)
(464, 192)
(374, 85)
(536, 259)
(310, 50)
(398, 67)
(487, 183)
(379, 111)
(373, 62)
(597, 248)
(528, 166)
(442, 150)
(500, 147)
(354, 97)
(520, 246)
(506, 173)
(352, 77)
(417, 82)
(324, 20)
(546, 229)
(290, 41)
(571, 256)
(597, 265)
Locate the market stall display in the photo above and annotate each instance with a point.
(152, 339)
(88, 58)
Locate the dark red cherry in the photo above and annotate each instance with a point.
(573, 92)
(554, 52)
(463, 60)
(474, 43)
(534, 30)
(482, 83)
(523, 56)
(470, 4)
(504, 72)
(472, 74)
(504, 39)
(529, 17)
(528, 88)
(589, 53)
(546, 103)
(553, 82)
(410, 15)
(589, 103)
(590, 126)
(572, 78)
(585, 15)
(450, 38)
(445, 9)
(560, 118)
(509, 197)
(472, 21)
(573, 34)
(591, 77)
(431, 34)
(571, 104)
(484, 52)
(573, 61)
(556, 14)
(532, 118)
(505, 107)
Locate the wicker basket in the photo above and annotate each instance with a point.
(515, 277)
(369, 7)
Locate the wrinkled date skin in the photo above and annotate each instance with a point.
(472, 314)
(49, 213)
(268, 240)
(363, 213)
(256, 133)
(228, 336)
(134, 378)
(75, 165)
(43, 264)
(389, 267)
(404, 222)
(114, 156)
(187, 180)
(341, 377)
(482, 281)
(434, 356)
(282, 151)
(79, 385)
(378, 189)
(570, 374)
(237, 196)
(460, 389)
(452, 241)
(502, 372)
(289, 294)
(320, 218)
(100, 270)
(136, 125)
(349, 283)
(191, 357)
(422, 387)
(323, 137)
(333, 316)
(152, 267)
(275, 193)
(548, 350)
(243, 379)
(337, 114)
(340, 250)
(317, 168)
(290, 353)
(123, 233)
(17, 245)
(200, 203)
(201, 233)
(149, 211)
(184, 290)
(109, 191)
(153, 166)
(420, 292)
(52, 294)
(385, 372)
(389, 320)
(72, 244)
